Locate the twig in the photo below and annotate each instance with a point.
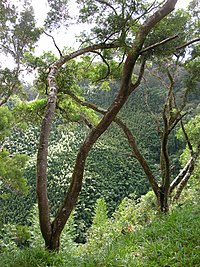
(107, 4)
(60, 53)
(108, 66)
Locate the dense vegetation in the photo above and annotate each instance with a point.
(113, 143)
(135, 235)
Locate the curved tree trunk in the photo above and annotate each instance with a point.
(51, 231)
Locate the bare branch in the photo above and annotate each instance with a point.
(153, 46)
(86, 121)
(180, 176)
(134, 85)
(59, 51)
(188, 174)
(188, 43)
(178, 118)
(108, 66)
(155, 118)
(107, 4)
(187, 138)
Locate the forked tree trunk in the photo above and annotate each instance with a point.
(52, 231)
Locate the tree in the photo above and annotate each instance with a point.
(18, 34)
(173, 113)
(51, 231)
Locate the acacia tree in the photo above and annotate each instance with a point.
(51, 231)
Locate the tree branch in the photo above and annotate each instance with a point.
(130, 137)
(153, 46)
(188, 43)
(59, 51)
(180, 176)
(185, 178)
(108, 66)
(107, 4)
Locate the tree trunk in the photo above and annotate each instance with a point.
(51, 232)
(54, 243)
(125, 90)
(163, 201)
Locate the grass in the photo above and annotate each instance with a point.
(169, 241)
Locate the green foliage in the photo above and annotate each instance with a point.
(193, 67)
(19, 32)
(58, 14)
(175, 23)
(133, 213)
(32, 258)
(144, 240)
(96, 73)
(11, 169)
(13, 236)
(115, 18)
(6, 120)
(193, 130)
(35, 238)
(8, 82)
(29, 112)
(96, 234)
(40, 64)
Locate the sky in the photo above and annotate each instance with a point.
(63, 37)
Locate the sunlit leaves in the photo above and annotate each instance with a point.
(29, 112)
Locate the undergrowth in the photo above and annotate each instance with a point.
(135, 236)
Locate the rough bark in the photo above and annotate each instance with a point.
(51, 232)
